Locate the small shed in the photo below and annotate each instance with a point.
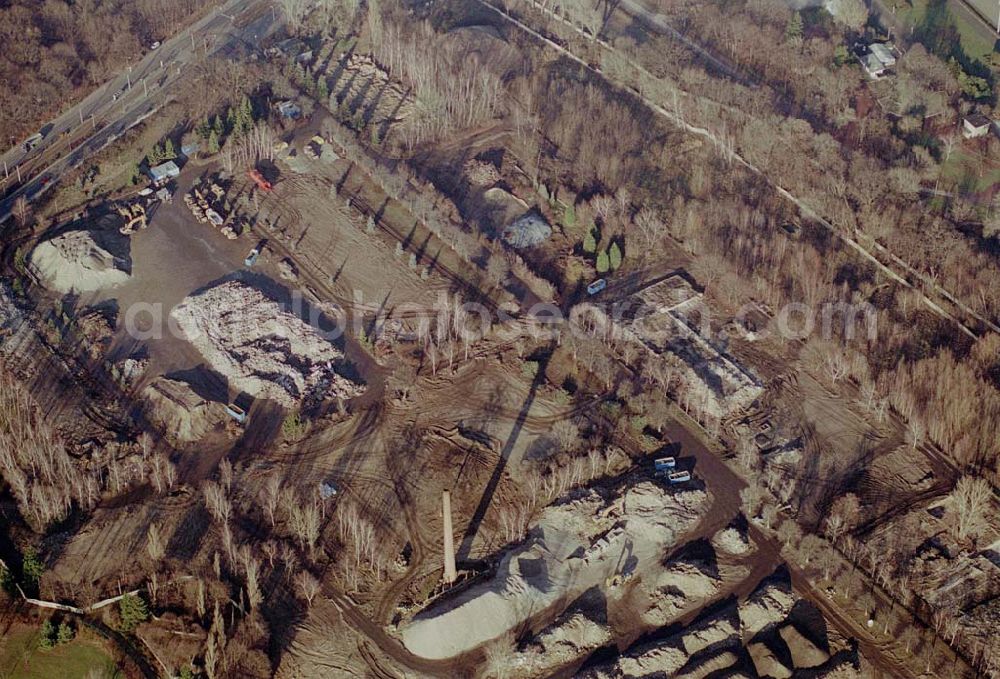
(975, 125)
(289, 109)
(164, 171)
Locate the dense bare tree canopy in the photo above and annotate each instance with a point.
(55, 52)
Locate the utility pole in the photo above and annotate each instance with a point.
(192, 41)
(81, 115)
(18, 169)
(6, 174)
(145, 92)
(128, 77)
(93, 121)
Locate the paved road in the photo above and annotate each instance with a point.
(144, 86)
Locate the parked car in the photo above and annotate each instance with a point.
(154, 45)
(32, 141)
(597, 286)
(255, 254)
(251, 258)
(114, 97)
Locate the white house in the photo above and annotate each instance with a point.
(878, 58)
(975, 125)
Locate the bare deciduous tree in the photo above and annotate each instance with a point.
(217, 502)
(270, 496)
(307, 586)
(154, 543)
(226, 475)
(304, 521)
(971, 497)
(295, 11)
(22, 210)
(566, 435)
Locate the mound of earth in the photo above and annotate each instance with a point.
(767, 606)
(565, 640)
(81, 261)
(96, 326)
(677, 587)
(575, 546)
(666, 659)
(732, 540)
(767, 662)
(804, 652)
(262, 348)
(183, 414)
(527, 231)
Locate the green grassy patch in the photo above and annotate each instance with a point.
(966, 173)
(973, 37)
(21, 658)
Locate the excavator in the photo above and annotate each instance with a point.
(134, 216)
(259, 180)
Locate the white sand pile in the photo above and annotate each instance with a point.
(260, 347)
(184, 415)
(73, 261)
(574, 546)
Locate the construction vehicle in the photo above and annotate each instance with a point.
(259, 180)
(217, 191)
(134, 216)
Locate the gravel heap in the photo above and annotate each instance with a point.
(74, 261)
